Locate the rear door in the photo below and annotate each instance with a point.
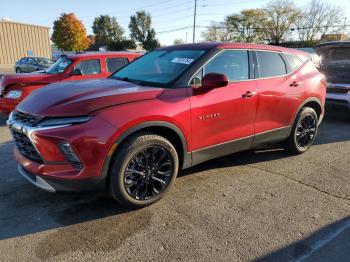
(280, 92)
(115, 63)
(224, 115)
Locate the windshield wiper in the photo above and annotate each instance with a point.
(126, 79)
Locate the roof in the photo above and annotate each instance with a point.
(334, 43)
(105, 54)
(325, 47)
(23, 24)
(213, 45)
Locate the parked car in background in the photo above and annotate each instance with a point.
(336, 66)
(14, 88)
(32, 64)
(315, 59)
(170, 109)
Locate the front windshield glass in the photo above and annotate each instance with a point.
(42, 61)
(59, 67)
(158, 68)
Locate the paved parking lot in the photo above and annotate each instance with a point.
(260, 205)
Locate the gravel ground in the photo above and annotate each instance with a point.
(262, 205)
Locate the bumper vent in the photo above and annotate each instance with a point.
(25, 119)
(25, 146)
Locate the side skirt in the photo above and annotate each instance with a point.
(223, 149)
(234, 146)
(272, 136)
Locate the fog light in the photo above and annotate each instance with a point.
(71, 156)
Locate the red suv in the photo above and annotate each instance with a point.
(14, 88)
(168, 110)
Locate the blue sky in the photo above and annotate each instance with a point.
(166, 14)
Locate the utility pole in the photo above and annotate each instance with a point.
(186, 37)
(344, 30)
(194, 21)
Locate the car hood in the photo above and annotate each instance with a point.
(39, 78)
(83, 97)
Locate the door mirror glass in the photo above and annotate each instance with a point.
(76, 72)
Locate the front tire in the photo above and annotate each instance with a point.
(18, 70)
(303, 133)
(143, 169)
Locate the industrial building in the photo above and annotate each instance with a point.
(19, 40)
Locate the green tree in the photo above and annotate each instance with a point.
(178, 41)
(141, 30)
(245, 26)
(216, 32)
(278, 18)
(69, 34)
(107, 30)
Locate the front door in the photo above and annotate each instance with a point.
(223, 118)
(90, 69)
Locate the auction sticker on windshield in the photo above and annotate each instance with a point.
(182, 60)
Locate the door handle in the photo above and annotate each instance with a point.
(295, 84)
(249, 94)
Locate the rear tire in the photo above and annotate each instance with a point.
(303, 133)
(18, 70)
(143, 169)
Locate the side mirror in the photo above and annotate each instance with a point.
(76, 72)
(211, 81)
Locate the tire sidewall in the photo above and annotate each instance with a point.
(122, 160)
(306, 111)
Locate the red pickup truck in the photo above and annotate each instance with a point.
(14, 88)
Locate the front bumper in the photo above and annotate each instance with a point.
(91, 141)
(55, 185)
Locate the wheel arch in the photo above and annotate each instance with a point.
(315, 104)
(165, 129)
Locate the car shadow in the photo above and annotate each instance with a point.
(26, 209)
(330, 243)
(30, 210)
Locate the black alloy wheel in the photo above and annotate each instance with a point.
(306, 131)
(303, 132)
(143, 169)
(148, 173)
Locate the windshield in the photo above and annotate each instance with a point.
(59, 66)
(158, 68)
(42, 61)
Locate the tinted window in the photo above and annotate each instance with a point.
(89, 67)
(271, 64)
(113, 64)
(293, 61)
(234, 64)
(30, 61)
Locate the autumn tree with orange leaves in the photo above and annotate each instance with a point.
(69, 34)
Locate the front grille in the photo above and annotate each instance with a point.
(25, 146)
(338, 90)
(25, 119)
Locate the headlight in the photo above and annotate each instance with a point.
(15, 94)
(61, 121)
